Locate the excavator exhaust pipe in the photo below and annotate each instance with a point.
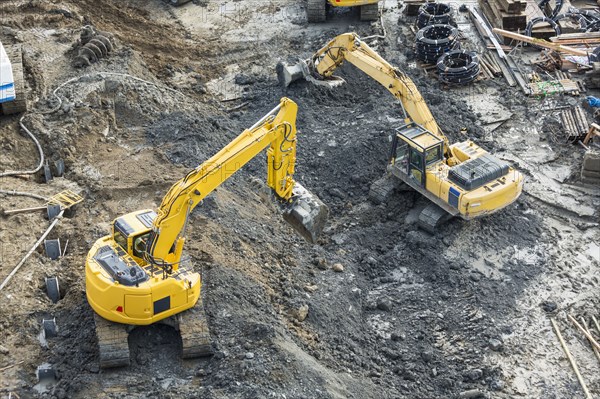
(306, 213)
(288, 74)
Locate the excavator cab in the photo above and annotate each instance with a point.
(414, 149)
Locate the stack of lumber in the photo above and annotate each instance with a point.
(505, 14)
(584, 41)
(513, 15)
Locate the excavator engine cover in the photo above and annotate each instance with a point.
(476, 172)
(306, 213)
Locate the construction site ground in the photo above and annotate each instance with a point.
(410, 316)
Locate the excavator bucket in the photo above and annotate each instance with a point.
(287, 74)
(306, 213)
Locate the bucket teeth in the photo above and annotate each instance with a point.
(306, 213)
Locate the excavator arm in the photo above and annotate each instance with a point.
(349, 47)
(277, 130)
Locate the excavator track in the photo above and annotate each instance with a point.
(20, 103)
(382, 189)
(369, 12)
(195, 336)
(432, 217)
(112, 343)
(316, 10)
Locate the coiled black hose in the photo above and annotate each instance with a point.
(458, 67)
(435, 14)
(576, 17)
(435, 40)
(535, 21)
(555, 11)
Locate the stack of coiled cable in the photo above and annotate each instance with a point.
(435, 14)
(458, 67)
(435, 40)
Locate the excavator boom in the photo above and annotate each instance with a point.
(275, 130)
(320, 67)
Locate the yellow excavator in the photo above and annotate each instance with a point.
(316, 10)
(461, 179)
(138, 275)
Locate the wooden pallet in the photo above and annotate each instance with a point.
(575, 124)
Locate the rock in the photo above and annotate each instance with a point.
(474, 374)
(201, 373)
(242, 79)
(321, 264)
(301, 313)
(3, 350)
(549, 306)
(311, 288)
(334, 192)
(496, 345)
(249, 355)
(475, 277)
(397, 337)
(384, 304)
(471, 393)
(338, 267)
(497, 385)
(426, 356)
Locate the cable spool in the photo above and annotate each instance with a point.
(458, 67)
(435, 40)
(435, 14)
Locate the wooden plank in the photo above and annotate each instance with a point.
(580, 35)
(513, 6)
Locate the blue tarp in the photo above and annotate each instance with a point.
(593, 101)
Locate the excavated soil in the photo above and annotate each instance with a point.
(464, 312)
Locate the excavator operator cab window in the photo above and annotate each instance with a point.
(433, 155)
(416, 165)
(120, 239)
(139, 245)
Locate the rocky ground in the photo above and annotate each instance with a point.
(464, 312)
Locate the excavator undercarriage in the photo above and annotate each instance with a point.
(192, 325)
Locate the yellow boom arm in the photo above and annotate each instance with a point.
(277, 130)
(349, 47)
